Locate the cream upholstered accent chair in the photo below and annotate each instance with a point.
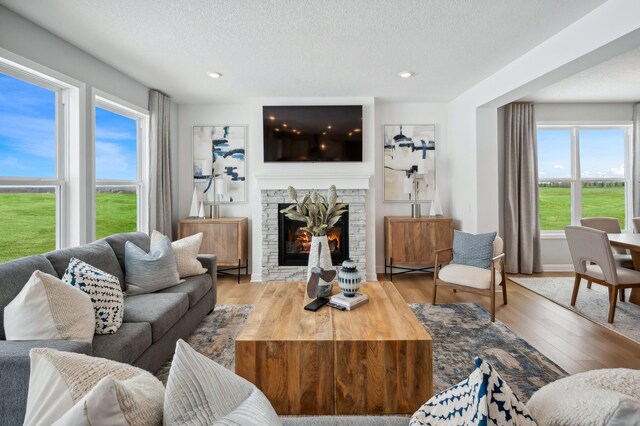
(473, 279)
(610, 225)
(593, 260)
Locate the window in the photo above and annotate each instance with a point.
(119, 183)
(32, 164)
(582, 173)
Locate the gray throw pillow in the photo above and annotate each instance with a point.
(473, 250)
(150, 272)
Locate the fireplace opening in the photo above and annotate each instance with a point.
(294, 243)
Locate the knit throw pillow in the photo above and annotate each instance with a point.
(482, 399)
(66, 388)
(48, 309)
(202, 392)
(186, 251)
(473, 250)
(150, 272)
(104, 291)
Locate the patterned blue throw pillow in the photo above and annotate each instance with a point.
(482, 399)
(473, 250)
(104, 291)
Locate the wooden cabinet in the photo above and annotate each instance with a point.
(413, 242)
(226, 237)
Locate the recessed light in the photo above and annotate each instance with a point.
(406, 74)
(214, 74)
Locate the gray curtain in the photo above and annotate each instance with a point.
(160, 163)
(636, 160)
(521, 219)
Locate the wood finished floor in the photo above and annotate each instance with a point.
(571, 341)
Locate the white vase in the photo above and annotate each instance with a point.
(324, 287)
(436, 205)
(193, 211)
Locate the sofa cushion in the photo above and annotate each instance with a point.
(14, 275)
(161, 310)
(186, 252)
(126, 345)
(60, 380)
(344, 421)
(194, 287)
(150, 272)
(97, 253)
(49, 309)
(596, 397)
(104, 291)
(117, 242)
(202, 392)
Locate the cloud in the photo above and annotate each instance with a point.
(558, 166)
(617, 171)
(542, 174)
(102, 133)
(114, 162)
(9, 161)
(33, 136)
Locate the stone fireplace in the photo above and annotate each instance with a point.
(294, 242)
(353, 235)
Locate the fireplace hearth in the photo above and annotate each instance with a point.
(294, 243)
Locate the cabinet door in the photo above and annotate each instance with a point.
(443, 239)
(187, 229)
(224, 243)
(412, 242)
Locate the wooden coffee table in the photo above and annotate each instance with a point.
(372, 360)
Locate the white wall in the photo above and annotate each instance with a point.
(405, 113)
(30, 45)
(555, 252)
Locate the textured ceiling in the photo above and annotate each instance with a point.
(269, 48)
(616, 80)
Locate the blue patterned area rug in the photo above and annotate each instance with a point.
(460, 333)
(464, 331)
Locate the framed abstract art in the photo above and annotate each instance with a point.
(409, 162)
(219, 163)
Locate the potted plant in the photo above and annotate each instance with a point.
(320, 213)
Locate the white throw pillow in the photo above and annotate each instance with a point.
(202, 392)
(67, 388)
(48, 309)
(597, 397)
(186, 251)
(104, 291)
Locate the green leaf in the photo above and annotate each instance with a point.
(292, 193)
(334, 220)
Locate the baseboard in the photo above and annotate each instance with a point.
(558, 268)
(256, 278)
(372, 277)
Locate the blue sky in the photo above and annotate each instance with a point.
(601, 153)
(28, 135)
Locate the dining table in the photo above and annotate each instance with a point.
(630, 242)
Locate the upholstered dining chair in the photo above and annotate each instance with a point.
(636, 224)
(472, 278)
(610, 225)
(593, 260)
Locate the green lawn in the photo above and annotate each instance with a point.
(29, 221)
(555, 205)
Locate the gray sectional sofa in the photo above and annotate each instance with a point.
(152, 325)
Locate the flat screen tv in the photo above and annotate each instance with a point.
(312, 133)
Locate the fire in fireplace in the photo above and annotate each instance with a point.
(294, 243)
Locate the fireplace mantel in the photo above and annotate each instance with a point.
(323, 181)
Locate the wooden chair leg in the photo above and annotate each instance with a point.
(576, 287)
(435, 290)
(504, 292)
(622, 294)
(493, 305)
(588, 283)
(612, 308)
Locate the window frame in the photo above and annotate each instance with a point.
(62, 119)
(116, 105)
(575, 180)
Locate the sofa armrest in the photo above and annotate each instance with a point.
(15, 366)
(210, 261)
